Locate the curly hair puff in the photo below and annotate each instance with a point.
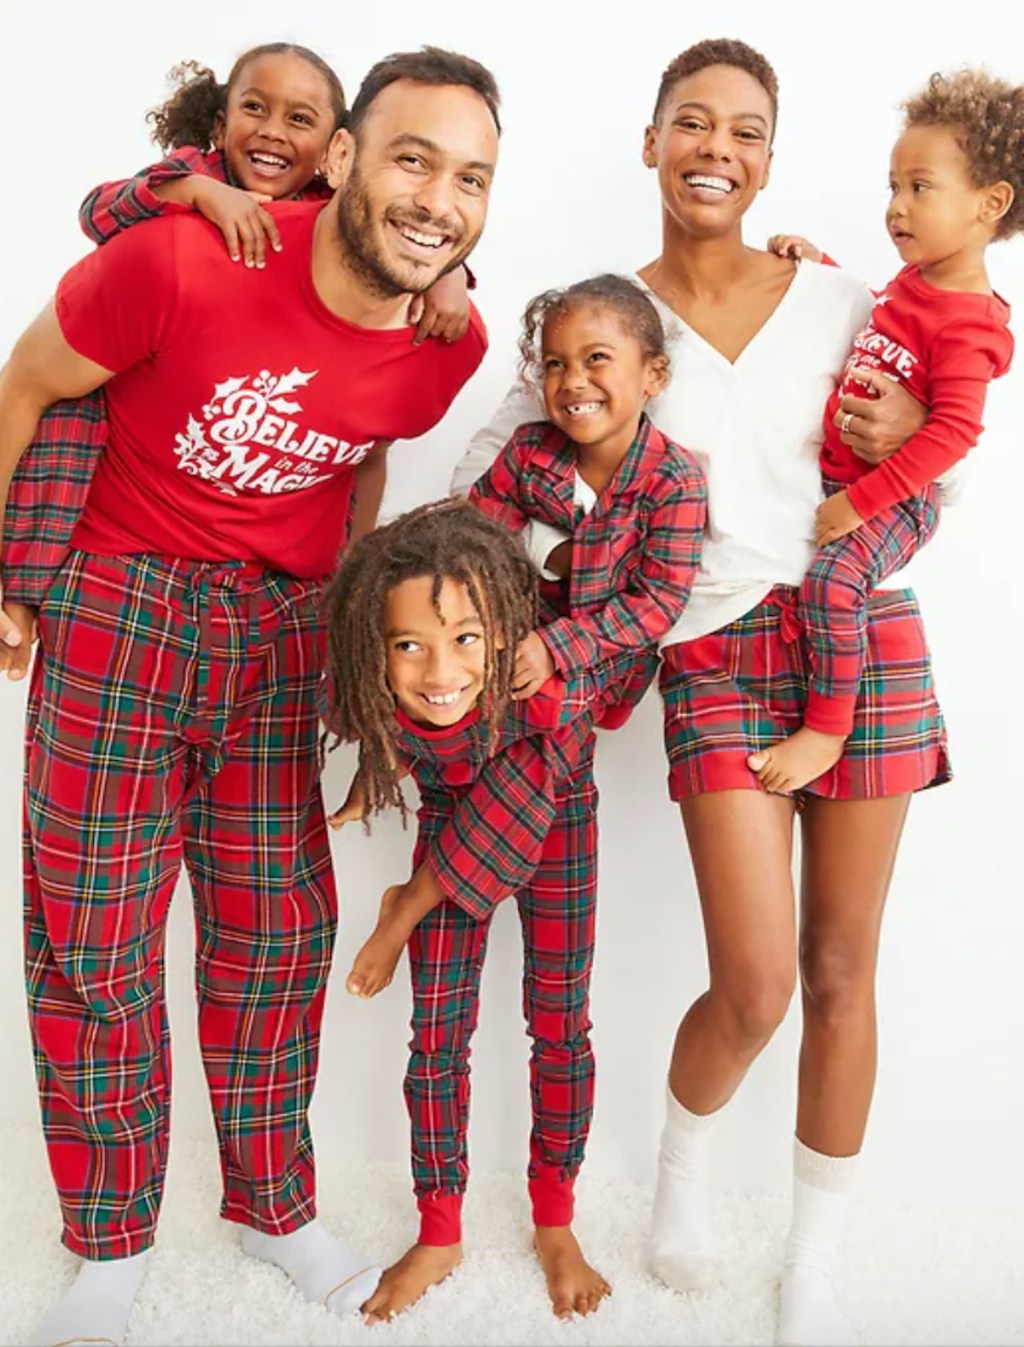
(988, 116)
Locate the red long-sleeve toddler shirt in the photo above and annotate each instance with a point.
(944, 347)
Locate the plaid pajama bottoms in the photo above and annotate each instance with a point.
(446, 954)
(834, 596)
(173, 716)
(743, 688)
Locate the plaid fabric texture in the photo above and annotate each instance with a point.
(50, 484)
(47, 494)
(834, 596)
(493, 832)
(173, 717)
(446, 953)
(744, 688)
(634, 556)
(114, 206)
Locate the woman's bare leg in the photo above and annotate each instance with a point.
(849, 849)
(741, 847)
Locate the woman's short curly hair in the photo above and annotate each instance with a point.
(719, 51)
(987, 115)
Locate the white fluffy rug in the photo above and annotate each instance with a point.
(911, 1278)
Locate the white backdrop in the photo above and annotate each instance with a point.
(572, 198)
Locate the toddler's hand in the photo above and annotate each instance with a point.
(835, 518)
(534, 666)
(792, 245)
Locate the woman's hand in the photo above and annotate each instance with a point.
(877, 425)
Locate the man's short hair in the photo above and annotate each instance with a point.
(429, 65)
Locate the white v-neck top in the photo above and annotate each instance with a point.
(756, 427)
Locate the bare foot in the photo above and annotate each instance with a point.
(797, 761)
(573, 1285)
(374, 966)
(425, 1265)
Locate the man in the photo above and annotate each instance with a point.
(173, 712)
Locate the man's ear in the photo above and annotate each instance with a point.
(339, 158)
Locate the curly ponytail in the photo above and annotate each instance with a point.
(190, 115)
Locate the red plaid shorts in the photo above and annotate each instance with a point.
(743, 688)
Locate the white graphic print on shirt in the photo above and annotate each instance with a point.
(247, 441)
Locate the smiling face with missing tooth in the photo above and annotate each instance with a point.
(415, 180)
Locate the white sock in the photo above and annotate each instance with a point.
(809, 1312)
(681, 1249)
(97, 1306)
(326, 1270)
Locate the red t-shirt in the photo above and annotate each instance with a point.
(944, 346)
(240, 404)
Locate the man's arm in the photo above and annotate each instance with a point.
(42, 369)
(371, 477)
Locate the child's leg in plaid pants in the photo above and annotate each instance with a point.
(833, 615)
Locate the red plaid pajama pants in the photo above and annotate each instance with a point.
(173, 717)
(446, 954)
(834, 599)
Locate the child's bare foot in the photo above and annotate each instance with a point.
(796, 761)
(573, 1285)
(425, 1265)
(374, 965)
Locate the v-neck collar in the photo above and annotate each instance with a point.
(708, 346)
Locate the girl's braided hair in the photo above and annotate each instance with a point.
(446, 540)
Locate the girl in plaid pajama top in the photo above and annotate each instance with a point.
(634, 502)
(424, 618)
(956, 184)
(260, 136)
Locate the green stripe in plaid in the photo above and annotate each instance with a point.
(556, 909)
(174, 718)
(634, 556)
(743, 688)
(834, 596)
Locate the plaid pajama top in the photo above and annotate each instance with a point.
(499, 807)
(49, 486)
(634, 556)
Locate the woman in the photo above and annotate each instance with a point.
(759, 342)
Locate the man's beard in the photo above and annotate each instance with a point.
(365, 259)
